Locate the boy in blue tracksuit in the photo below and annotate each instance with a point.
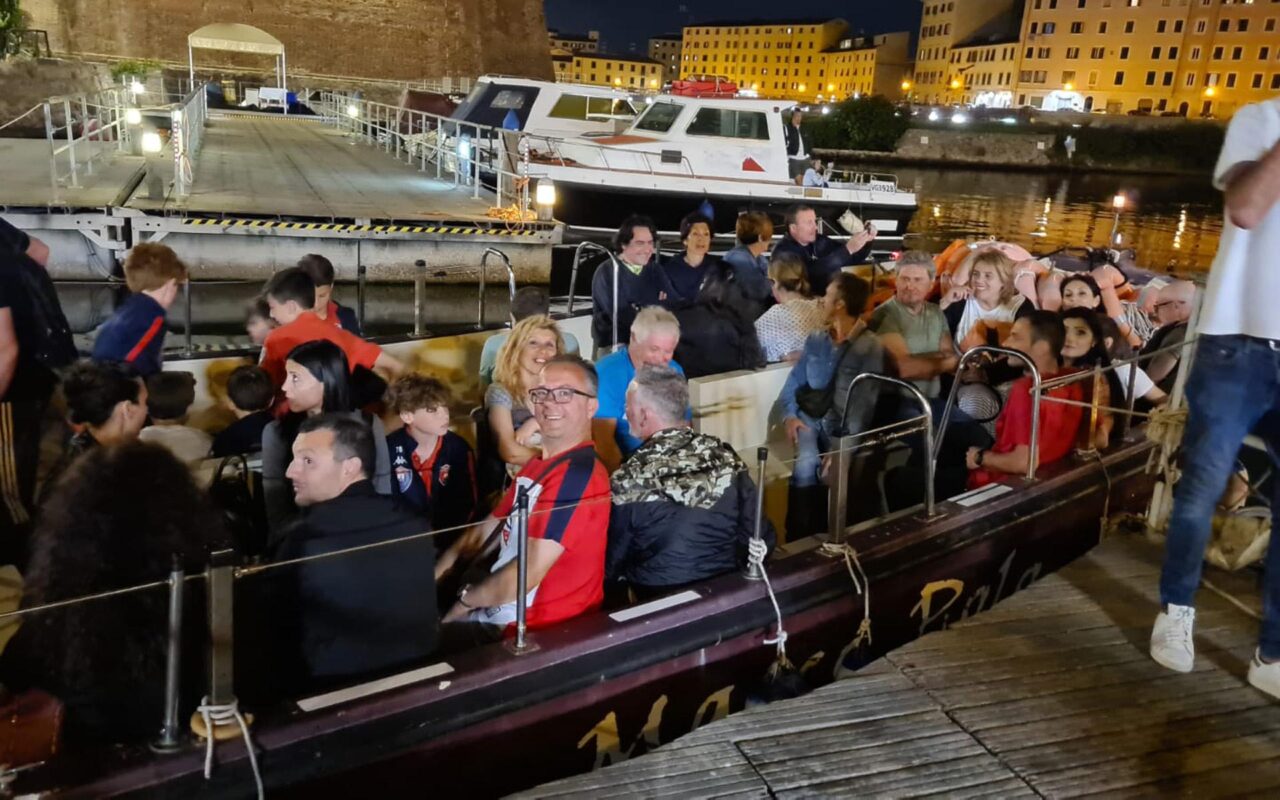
(135, 333)
(433, 468)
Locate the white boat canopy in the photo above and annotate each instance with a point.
(237, 38)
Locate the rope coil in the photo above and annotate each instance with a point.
(216, 715)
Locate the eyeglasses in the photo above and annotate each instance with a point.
(561, 394)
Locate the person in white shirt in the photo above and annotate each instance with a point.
(814, 176)
(169, 396)
(1234, 383)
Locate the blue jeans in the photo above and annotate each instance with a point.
(811, 443)
(1234, 383)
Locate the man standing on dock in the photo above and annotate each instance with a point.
(1234, 383)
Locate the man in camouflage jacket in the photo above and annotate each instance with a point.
(683, 504)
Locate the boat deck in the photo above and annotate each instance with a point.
(1050, 694)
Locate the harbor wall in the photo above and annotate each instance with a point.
(407, 40)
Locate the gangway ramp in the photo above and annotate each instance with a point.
(278, 166)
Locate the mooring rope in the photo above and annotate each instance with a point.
(862, 587)
(224, 715)
(756, 552)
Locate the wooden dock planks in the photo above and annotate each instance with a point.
(1050, 694)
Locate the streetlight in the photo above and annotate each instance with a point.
(1210, 91)
(544, 197)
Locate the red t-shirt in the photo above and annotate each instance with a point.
(569, 504)
(1059, 424)
(309, 328)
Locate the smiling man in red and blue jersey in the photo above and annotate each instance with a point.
(135, 333)
(569, 503)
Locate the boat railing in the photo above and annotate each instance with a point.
(623, 158)
(971, 355)
(187, 119)
(875, 181)
(573, 281)
(484, 269)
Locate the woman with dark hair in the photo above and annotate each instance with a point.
(106, 404)
(1080, 291)
(683, 274)
(316, 381)
(115, 519)
(717, 333)
(1084, 348)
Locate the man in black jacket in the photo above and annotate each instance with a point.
(684, 504)
(35, 340)
(364, 612)
(822, 255)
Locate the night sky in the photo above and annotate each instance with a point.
(626, 27)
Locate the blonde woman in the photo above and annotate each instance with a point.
(784, 327)
(982, 302)
(520, 360)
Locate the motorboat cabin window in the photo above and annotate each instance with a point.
(581, 107)
(659, 118)
(730, 123)
(508, 99)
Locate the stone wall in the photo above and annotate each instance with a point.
(390, 39)
(25, 82)
(976, 148)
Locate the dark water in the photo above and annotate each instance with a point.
(1172, 221)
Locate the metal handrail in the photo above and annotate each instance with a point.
(573, 281)
(108, 110)
(188, 122)
(511, 280)
(1033, 460)
(926, 422)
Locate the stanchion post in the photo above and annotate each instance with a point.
(838, 498)
(521, 644)
(169, 740)
(221, 580)
(753, 571)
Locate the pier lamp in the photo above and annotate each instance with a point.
(353, 111)
(133, 116)
(544, 197)
(151, 142)
(955, 83)
(906, 86)
(137, 87)
(1068, 87)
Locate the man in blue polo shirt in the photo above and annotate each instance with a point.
(654, 336)
(135, 333)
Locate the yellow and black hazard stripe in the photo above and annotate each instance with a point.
(444, 230)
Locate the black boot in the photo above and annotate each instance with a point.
(806, 511)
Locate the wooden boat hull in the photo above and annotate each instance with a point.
(597, 691)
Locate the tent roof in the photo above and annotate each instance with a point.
(236, 37)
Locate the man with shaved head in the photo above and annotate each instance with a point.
(1233, 388)
(1173, 310)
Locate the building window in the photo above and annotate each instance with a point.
(1151, 79)
(1242, 25)
(1264, 53)
(1044, 52)
(1077, 27)
(1177, 26)
(1231, 80)
(1068, 76)
(1270, 25)
(1195, 54)
(1257, 80)
(1173, 54)
(1050, 27)
(1124, 53)
(1035, 28)
(1275, 80)
(1097, 52)
(1200, 26)
(1160, 26)
(1093, 78)
(1031, 52)
(1237, 53)
(1217, 54)
(1155, 52)
(1191, 79)
(1102, 27)
(1073, 52)
(1128, 27)
(1224, 25)
(1119, 79)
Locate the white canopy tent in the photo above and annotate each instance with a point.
(236, 38)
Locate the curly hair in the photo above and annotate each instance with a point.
(150, 265)
(413, 391)
(116, 518)
(506, 371)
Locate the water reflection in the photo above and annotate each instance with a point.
(1172, 221)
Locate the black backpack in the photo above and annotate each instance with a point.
(237, 492)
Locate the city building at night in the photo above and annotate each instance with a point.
(665, 49)
(609, 69)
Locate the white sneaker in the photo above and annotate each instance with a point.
(1265, 677)
(1171, 644)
